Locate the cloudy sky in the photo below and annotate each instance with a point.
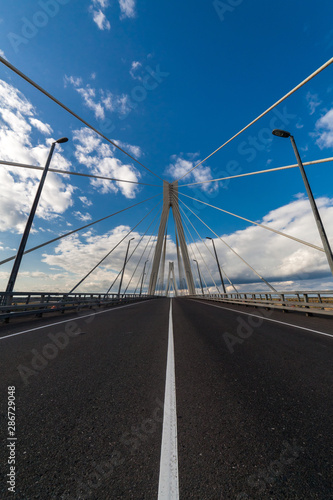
(167, 82)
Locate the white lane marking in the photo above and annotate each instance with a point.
(168, 488)
(72, 319)
(266, 319)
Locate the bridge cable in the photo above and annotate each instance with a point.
(131, 255)
(189, 232)
(70, 172)
(180, 221)
(190, 237)
(330, 61)
(234, 251)
(315, 162)
(190, 248)
(142, 255)
(102, 260)
(209, 250)
(38, 87)
(181, 272)
(202, 260)
(162, 263)
(150, 260)
(76, 230)
(218, 290)
(260, 225)
(121, 270)
(144, 250)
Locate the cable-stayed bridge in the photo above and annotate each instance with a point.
(128, 393)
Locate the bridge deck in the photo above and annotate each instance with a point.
(254, 402)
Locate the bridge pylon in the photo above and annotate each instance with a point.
(170, 200)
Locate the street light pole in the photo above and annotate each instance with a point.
(320, 226)
(199, 276)
(143, 274)
(125, 262)
(218, 264)
(25, 236)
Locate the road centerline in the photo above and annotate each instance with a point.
(168, 488)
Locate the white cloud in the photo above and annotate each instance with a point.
(313, 102)
(285, 263)
(85, 201)
(2, 54)
(135, 151)
(45, 128)
(19, 185)
(101, 20)
(75, 81)
(324, 130)
(127, 8)
(99, 159)
(115, 103)
(88, 94)
(97, 9)
(181, 166)
(101, 3)
(99, 100)
(78, 254)
(84, 217)
(275, 257)
(134, 69)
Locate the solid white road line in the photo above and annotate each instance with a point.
(71, 319)
(266, 319)
(168, 488)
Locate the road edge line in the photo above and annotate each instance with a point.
(74, 318)
(264, 318)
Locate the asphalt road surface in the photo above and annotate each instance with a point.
(249, 414)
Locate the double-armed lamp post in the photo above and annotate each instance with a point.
(25, 236)
(320, 226)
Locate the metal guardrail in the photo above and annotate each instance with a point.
(308, 302)
(20, 304)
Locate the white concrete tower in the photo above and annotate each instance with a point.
(170, 200)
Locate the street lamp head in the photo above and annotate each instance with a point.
(61, 140)
(195, 260)
(208, 238)
(281, 133)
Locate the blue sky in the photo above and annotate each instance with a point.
(171, 82)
